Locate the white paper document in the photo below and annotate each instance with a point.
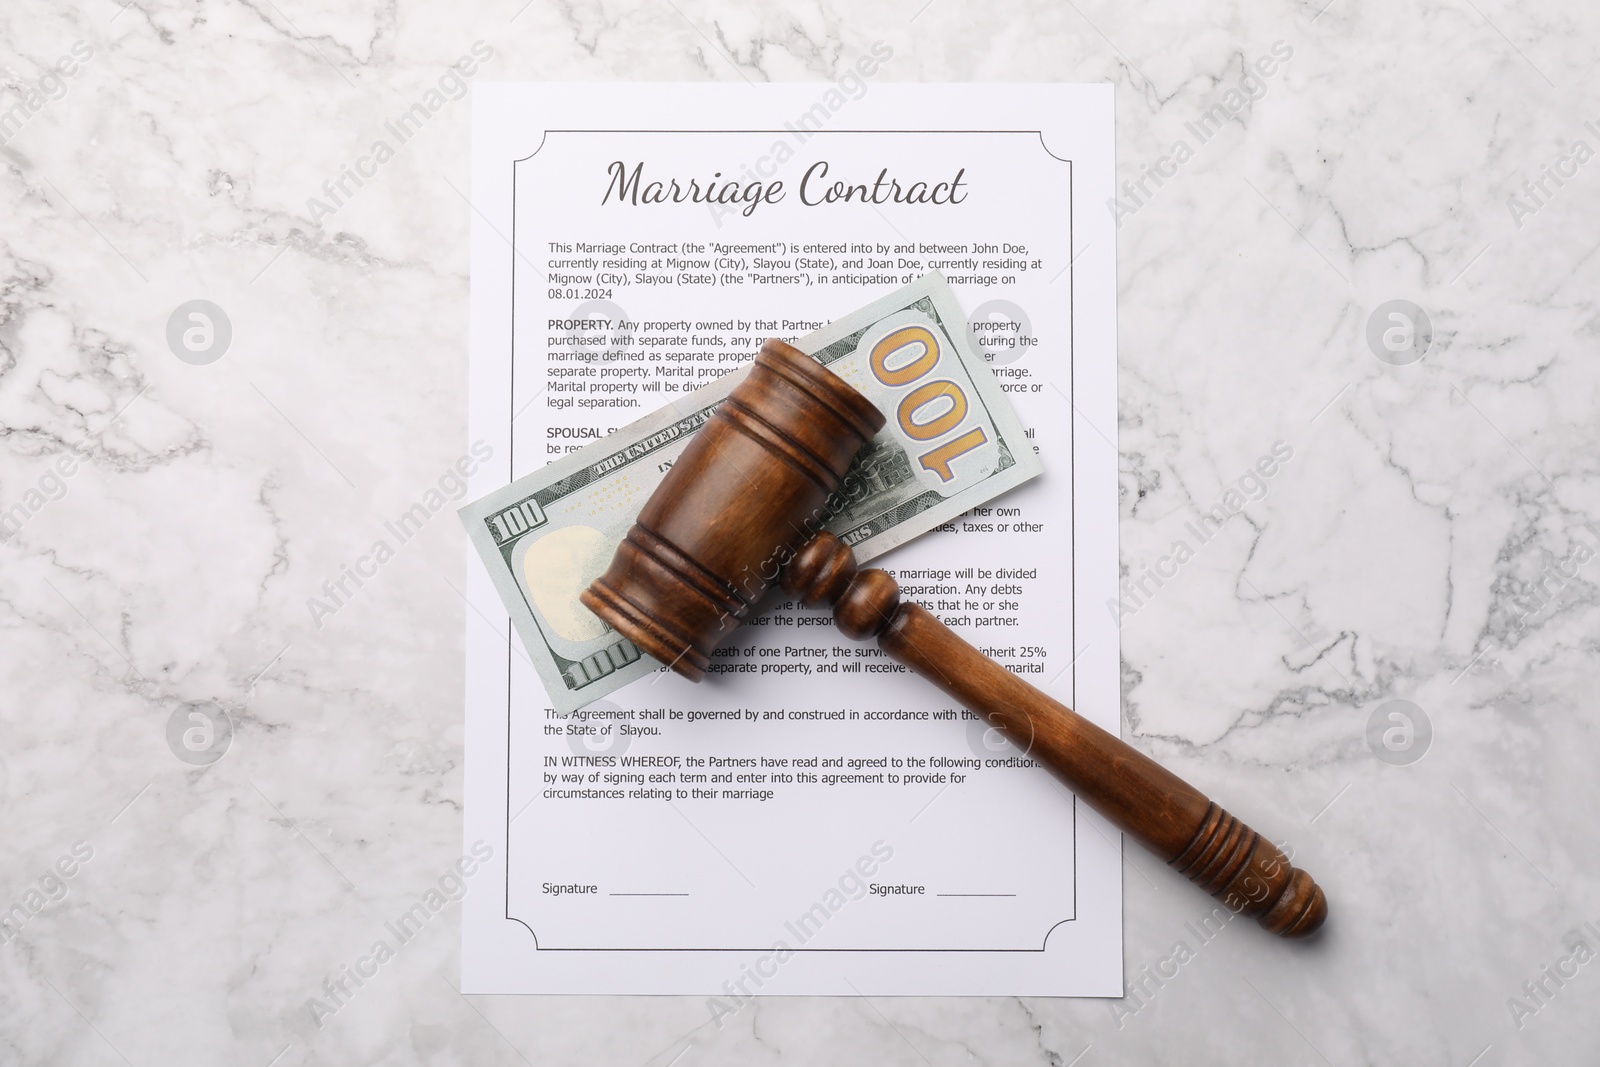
(811, 819)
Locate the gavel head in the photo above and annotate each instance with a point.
(746, 492)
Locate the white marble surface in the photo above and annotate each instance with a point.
(1388, 558)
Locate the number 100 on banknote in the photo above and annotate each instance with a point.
(951, 442)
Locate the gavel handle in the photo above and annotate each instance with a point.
(1177, 822)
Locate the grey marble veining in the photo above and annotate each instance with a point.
(1432, 537)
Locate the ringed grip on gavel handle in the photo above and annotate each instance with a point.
(1216, 851)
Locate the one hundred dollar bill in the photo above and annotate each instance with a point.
(951, 441)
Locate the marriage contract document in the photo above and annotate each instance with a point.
(811, 819)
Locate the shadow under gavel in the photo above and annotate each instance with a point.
(745, 502)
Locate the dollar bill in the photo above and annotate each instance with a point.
(951, 441)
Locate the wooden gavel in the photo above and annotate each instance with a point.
(745, 503)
